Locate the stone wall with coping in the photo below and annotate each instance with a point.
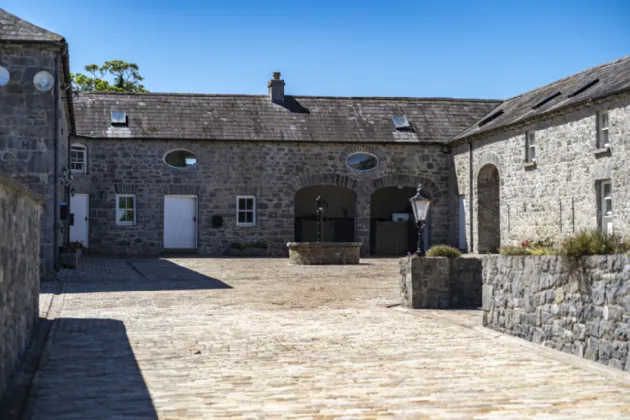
(273, 172)
(20, 211)
(558, 195)
(27, 130)
(583, 310)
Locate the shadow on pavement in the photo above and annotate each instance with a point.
(89, 371)
(95, 274)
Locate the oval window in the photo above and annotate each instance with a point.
(362, 161)
(180, 158)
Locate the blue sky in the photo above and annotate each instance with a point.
(466, 49)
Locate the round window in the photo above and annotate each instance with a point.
(362, 162)
(180, 158)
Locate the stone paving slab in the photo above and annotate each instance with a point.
(293, 342)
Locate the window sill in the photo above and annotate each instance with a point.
(529, 165)
(245, 225)
(604, 151)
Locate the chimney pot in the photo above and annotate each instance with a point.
(276, 75)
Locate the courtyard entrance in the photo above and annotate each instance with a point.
(393, 231)
(489, 209)
(340, 207)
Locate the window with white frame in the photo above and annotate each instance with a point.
(606, 206)
(245, 210)
(78, 158)
(602, 130)
(530, 146)
(125, 209)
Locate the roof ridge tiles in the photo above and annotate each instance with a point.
(239, 95)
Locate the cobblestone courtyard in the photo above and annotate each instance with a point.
(257, 338)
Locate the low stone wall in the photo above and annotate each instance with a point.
(324, 253)
(440, 283)
(19, 271)
(582, 310)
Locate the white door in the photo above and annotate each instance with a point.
(79, 206)
(606, 204)
(180, 222)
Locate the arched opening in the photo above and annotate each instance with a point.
(393, 230)
(488, 210)
(340, 208)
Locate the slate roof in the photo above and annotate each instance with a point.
(613, 77)
(14, 29)
(256, 118)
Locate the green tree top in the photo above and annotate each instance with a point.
(113, 76)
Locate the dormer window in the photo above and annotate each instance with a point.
(602, 130)
(530, 146)
(119, 118)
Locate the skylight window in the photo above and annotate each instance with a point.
(490, 118)
(547, 99)
(585, 87)
(119, 117)
(401, 122)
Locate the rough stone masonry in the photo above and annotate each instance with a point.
(20, 211)
(582, 310)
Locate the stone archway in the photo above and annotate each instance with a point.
(339, 217)
(488, 209)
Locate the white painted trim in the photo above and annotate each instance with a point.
(135, 210)
(253, 197)
(196, 217)
(605, 218)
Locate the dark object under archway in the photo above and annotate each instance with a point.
(488, 210)
(339, 213)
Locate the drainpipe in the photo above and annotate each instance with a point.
(56, 168)
(470, 194)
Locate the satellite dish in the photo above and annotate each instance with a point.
(4, 76)
(43, 81)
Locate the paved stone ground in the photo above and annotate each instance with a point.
(257, 338)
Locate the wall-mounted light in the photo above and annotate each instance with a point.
(446, 149)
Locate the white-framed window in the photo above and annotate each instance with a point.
(125, 209)
(602, 130)
(530, 146)
(78, 158)
(245, 210)
(606, 208)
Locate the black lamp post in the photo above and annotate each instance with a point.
(420, 204)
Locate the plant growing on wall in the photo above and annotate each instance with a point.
(113, 76)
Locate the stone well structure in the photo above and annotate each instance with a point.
(324, 253)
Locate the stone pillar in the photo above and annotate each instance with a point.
(362, 224)
(425, 282)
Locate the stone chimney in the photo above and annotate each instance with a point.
(276, 89)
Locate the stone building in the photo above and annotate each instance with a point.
(212, 173)
(204, 172)
(549, 162)
(36, 120)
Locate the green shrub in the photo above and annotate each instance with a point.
(592, 242)
(443, 251)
